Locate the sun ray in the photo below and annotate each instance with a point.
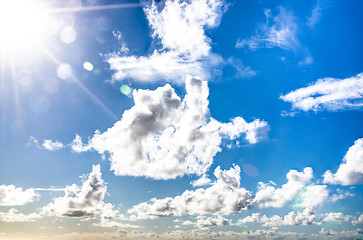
(95, 8)
(82, 86)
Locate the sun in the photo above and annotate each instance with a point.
(22, 25)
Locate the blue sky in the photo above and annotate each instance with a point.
(205, 119)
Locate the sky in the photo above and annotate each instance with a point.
(172, 119)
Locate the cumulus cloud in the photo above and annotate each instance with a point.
(282, 33)
(164, 137)
(359, 221)
(203, 181)
(13, 196)
(184, 47)
(13, 215)
(270, 196)
(52, 146)
(329, 94)
(224, 197)
(205, 222)
(350, 170)
(312, 196)
(86, 201)
(341, 194)
(78, 146)
(335, 217)
(306, 217)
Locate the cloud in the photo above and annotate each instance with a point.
(184, 48)
(335, 217)
(164, 137)
(340, 195)
(47, 144)
(224, 197)
(78, 146)
(329, 94)
(205, 222)
(306, 217)
(13, 215)
(52, 146)
(270, 196)
(350, 171)
(203, 181)
(312, 196)
(242, 71)
(13, 196)
(281, 34)
(86, 201)
(359, 221)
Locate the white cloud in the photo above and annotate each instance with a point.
(350, 171)
(13, 196)
(78, 146)
(312, 196)
(359, 221)
(335, 217)
(52, 146)
(281, 34)
(203, 181)
(270, 196)
(185, 49)
(306, 217)
(86, 201)
(205, 222)
(47, 144)
(164, 137)
(341, 194)
(330, 94)
(224, 197)
(13, 215)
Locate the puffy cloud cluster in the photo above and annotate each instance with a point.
(205, 222)
(13, 215)
(86, 201)
(305, 217)
(224, 197)
(270, 196)
(13, 196)
(185, 49)
(330, 94)
(164, 137)
(335, 217)
(359, 221)
(350, 170)
(281, 34)
(312, 196)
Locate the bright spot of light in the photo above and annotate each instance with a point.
(88, 66)
(64, 71)
(125, 89)
(68, 35)
(22, 24)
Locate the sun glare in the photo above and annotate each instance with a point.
(22, 23)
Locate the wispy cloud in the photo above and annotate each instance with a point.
(350, 171)
(282, 33)
(47, 144)
(185, 49)
(331, 94)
